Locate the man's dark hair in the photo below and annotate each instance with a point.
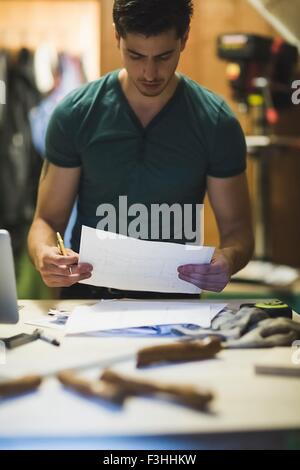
(152, 17)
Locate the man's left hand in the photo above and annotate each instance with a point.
(211, 277)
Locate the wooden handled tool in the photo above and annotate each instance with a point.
(179, 352)
(12, 387)
(103, 390)
(187, 395)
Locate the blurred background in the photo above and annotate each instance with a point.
(245, 50)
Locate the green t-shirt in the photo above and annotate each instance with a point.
(194, 136)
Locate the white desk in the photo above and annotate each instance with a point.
(54, 417)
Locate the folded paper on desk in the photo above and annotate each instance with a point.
(131, 264)
(123, 314)
(55, 319)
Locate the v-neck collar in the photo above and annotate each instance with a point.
(158, 116)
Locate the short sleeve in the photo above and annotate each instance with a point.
(229, 155)
(60, 138)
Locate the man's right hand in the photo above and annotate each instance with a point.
(61, 271)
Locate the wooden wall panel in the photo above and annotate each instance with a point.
(110, 57)
(285, 214)
(71, 26)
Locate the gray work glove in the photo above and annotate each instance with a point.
(268, 334)
(250, 327)
(228, 324)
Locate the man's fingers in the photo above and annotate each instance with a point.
(62, 271)
(206, 279)
(72, 278)
(193, 268)
(204, 269)
(65, 271)
(52, 269)
(65, 281)
(81, 268)
(71, 252)
(204, 284)
(60, 260)
(190, 280)
(65, 260)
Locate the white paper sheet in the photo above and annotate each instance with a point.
(123, 314)
(130, 264)
(47, 323)
(56, 319)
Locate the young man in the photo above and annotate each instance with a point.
(151, 135)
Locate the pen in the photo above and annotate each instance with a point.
(61, 245)
(62, 249)
(48, 339)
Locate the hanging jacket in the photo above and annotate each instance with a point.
(20, 164)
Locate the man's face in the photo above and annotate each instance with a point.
(151, 61)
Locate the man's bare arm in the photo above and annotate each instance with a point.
(229, 198)
(230, 201)
(56, 196)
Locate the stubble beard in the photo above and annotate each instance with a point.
(154, 94)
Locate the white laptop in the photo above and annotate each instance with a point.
(8, 293)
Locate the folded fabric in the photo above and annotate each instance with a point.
(268, 334)
(249, 327)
